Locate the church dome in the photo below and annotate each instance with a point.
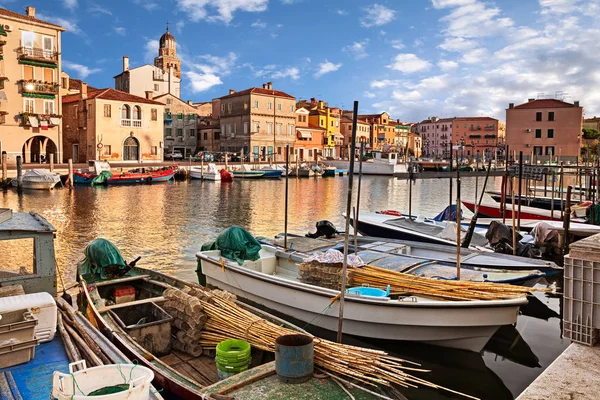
(167, 40)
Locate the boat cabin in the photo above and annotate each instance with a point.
(385, 157)
(27, 249)
(98, 166)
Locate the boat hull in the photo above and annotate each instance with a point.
(272, 173)
(248, 174)
(458, 326)
(368, 229)
(370, 168)
(32, 185)
(493, 211)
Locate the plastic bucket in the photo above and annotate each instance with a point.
(294, 358)
(233, 350)
(78, 385)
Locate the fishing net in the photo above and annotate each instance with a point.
(236, 244)
(102, 258)
(110, 390)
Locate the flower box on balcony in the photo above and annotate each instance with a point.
(51, 119)
(37, 56)
(31, 87)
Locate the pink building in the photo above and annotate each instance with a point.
(436, 137)
(544, 129)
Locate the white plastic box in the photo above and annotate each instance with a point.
(42, 306)
(581, 308)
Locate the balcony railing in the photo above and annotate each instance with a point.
(31, 86)
(51, 119)
(135, 123)
(35, 53)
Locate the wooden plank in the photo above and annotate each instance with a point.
(122, 280)
(206, 367)
(5, 214)
(183, 356)
(171, 359)
(159, 299)
(12, 290)
(192, 374)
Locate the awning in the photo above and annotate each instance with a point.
(338, 136)
(38, 95)
(304, 135)
(2, 31)
(37, 63)
(3, 98)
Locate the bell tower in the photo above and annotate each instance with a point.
(167, 54)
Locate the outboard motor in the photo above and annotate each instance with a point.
(324, 228)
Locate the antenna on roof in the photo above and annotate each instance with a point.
(541, 95)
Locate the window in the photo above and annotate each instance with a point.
(550, 116)
(245, 105)
(48, 46)
(154, 114)
(48, 106)
(48, 75)
(27, 39)
(278, 129)
(332, 123)
(192, 132)
(292, 108)
(169, 101)
(217, 135)
(246, 127)
(179, 132)
(255, 126)
(310, 152)
(106, 150)
(65, 83)
(157, 88)
(137, 113)
(337, 123)
(255, 103)
(278, 107)
(538, 116)
(180, 116)
(291, 129)
(29, 105)
(270, 128)
(550, 133)
(154, 150)
(322, 122)
(169, 132)
(27, 72)
(538, 133)
(205, 136)
(270, 106)
(229, 107)
(125, 112)
(222, 107)
(549, 150)
(191, 117)
(107, 110)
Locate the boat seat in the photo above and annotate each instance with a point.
(122, 280)
(159, 299)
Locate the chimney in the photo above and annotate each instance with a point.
(576, 103)
(30, 11)
(320, 103)
(83, 92)
(264, 85)
(125, 63)
(511, 105)
(530, 100)
(190, 102)
(149, 94)
(231, 91)
(270, 85)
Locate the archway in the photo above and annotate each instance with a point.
(131, 149)
(37, 149)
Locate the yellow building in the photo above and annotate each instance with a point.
(328, 118)
(30, 98)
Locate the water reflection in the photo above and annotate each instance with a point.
(167, 223)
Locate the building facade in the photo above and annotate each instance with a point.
(258, 121)
(30, 97)
(478, 137)
(180, 126)
(363, 134)
(107, 124)
(161, 78)
(310, 139)
(544, 129)
(436, 136)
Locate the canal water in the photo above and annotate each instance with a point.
(167, 223)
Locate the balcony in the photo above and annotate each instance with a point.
(30, 88)
(135, 123)
(489, 135)
(51, 119)
(475, 135)
(36, 54)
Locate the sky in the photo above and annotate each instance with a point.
(411, 58)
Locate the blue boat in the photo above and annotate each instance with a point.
(272, 173)
(332, 171)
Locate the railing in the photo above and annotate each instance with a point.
(36, 53)
(136, 123)
(125, 122)
(52, 119)
(31, 86)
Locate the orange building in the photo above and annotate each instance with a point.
(544, 129)
(478, 136)
(310, 139)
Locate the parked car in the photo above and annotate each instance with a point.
(175, 155)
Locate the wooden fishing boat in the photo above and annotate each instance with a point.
(38, 179)
(546, 203)
(333, 171)
(274, 282)
(127, 177)
(245, 172)
(382, 163)
(211, 173)
(493, 211)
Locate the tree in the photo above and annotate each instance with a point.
(589, 133)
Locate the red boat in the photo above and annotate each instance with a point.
(493, 211)
(128, 177)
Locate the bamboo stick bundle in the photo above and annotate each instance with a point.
(401, 283)
(227, 320)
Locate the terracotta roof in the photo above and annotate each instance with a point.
(312, 126)
(474, 118)
(595, 119)
(8, 13)
(268, 92)
(110, 94)
(358, 120)
(545, 103)
(75, 84)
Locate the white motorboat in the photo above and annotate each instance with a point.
(273, 282)
(38, 179)
(245, 172)
(211, 173)
(383, 163)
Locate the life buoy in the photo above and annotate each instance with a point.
(392, 212)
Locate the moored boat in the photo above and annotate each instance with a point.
(493, 211)
(38, 179)
(382, 163)
(245, 172)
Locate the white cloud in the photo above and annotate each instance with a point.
(208, 70)
(219, 10)
(147, 4)
(446, 65)
(357, 50)
(377, 15)
(69, 24)
(385, 83)
(418, 43)
(369, 95)
(558, 6)
(326, 67)
(151, 50)
(70, 4)
(341, 12)
(273, 71)
(458, 44)
(401, 95)
(120, 30)
(408, 63)
(397, 44)
(475, 56)
(472, 18)
(258, 24)
(179, 26)
(79, 70)
(97, 10)
(292, 73)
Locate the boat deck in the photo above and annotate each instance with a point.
(200, 369)
(33, 380)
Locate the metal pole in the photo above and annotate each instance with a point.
(520, 186)
(285, 224)
(567, 221)
(71, 183)
(457, 222)
(514, 231)
(450, 199)
(356, 217)
(202, 166)
(348, 209)
(553, 191)
(561, 183)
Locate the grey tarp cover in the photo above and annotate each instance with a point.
(99, 255)
(236, 244)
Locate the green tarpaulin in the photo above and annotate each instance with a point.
(236, 244)
(102, 258)
(102, 178)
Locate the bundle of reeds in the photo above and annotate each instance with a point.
(406, 284)
(367, 367)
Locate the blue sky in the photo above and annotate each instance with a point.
(413, 59)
